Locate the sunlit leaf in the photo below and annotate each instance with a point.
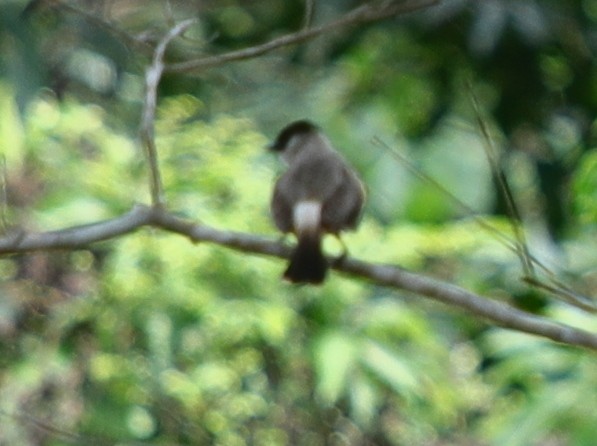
(334, 359)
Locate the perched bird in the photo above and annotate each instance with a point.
(318, 193)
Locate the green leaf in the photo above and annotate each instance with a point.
(391, 368)
(334, 359)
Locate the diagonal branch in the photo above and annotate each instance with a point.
(78, 236)
(386, 275)
(126, 39)
(367, 13)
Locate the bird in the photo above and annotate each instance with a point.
(319, 193)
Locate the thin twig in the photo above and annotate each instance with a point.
(557, 288)
(309, 13)
(42, 426)
(124, 37)
(500, 236)
(386, 275)
(527, 260)
(152, 80)
(3, 195)
(522, 246)
(367, 13)
(564, 293)
(169, 13)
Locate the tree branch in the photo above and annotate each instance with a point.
(367, 13)
(157, 216)
(152, 80)
(93, 19)
(385, 275)
(76, 237)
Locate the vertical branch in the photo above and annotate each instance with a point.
(152, 80)
(309, 13)
(3, 196)
(169, 13)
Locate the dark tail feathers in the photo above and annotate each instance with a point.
(307, 263)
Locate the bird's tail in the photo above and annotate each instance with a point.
(307, 263)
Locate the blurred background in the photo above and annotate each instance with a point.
(150, 339)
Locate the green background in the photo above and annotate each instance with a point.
(150, 339)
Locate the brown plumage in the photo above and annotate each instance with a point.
(319, 193)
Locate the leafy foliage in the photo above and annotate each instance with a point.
(151, 339)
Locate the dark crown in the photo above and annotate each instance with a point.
(292, 129)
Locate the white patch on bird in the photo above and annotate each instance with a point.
(306, 216)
